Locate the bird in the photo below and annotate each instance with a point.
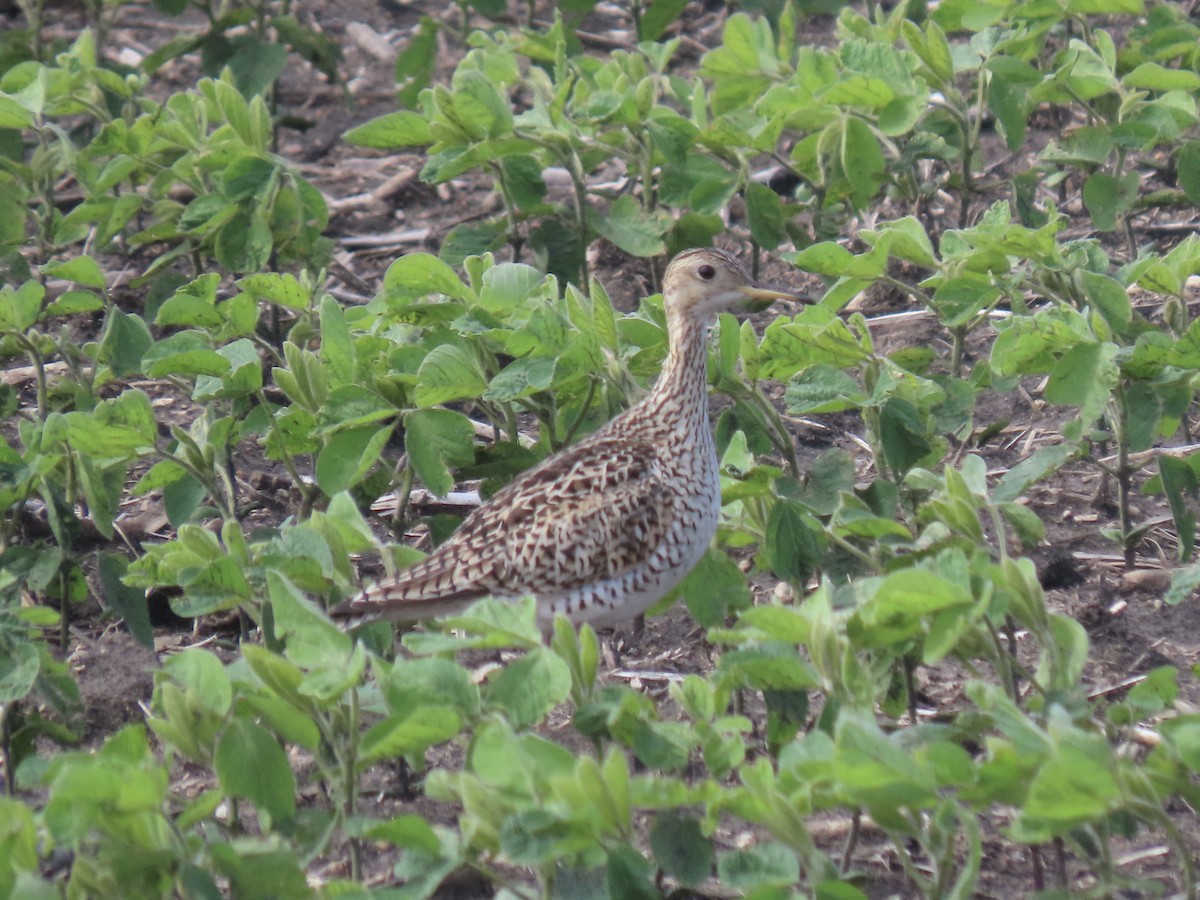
(603, 529)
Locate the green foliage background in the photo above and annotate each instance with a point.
(920, 563)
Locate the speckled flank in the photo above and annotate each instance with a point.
(605, 528)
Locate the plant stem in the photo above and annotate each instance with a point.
(1124, 482)
(350, 782)
(958, 336)
(8, 712)
(403, 492)
(64, 609)
(580, 196)
(583, 410)
(41, 386)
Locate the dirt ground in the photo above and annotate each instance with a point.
(382, 210)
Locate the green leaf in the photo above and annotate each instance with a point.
(520, 378)
(1158, 692)
(626, 224)
(680, 847)
(1180, 484)
(316, 46)
(183, 310)
(203, 678)
(764, 212)
(1008, 96)
(104, 442)
(523, 181)
(902, 599)
(282, 289)
(449, 372)
(932, 47)
(19, 309)
(1188, 169)
(392, 131)
(862, 161)
(412, 683)
(770, 666)
(629, 874)
(79, 269)
(1085, 377)
(832, 259)
(1184, 582)
(354, 405)
(758, 866)
(714, 588)
(527, 689)
(822, 389)
(958, 300)
(415, 64)
(123, 343)
(904, 435)
(1105, 7)
(1025, 522)
(792, 544)
(1072, 788)
(857, 90)
(348, 456)
(19, 665)
(312, 640)
(102, 489)
(656, 18)
(182, 496)
(904, 238)
(778, 623)
(206, 214)
(212, 586)
(1071, 654)
(294, 726)
(13, 114)
(744, 65)
(463, 241)
(437, 439)
(663, 746)
(244, 243)
(248, 177)
(185, 353)
(479, 106)
(410, 831)
(1109, 297)
(250, 763)
(1152, 76)
(421, 274)
(875, 770)
(1043, 462)
(255, 64)
(1108, 198)
(244, 378)
(408, 735)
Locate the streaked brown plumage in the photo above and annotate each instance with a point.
(603, 529)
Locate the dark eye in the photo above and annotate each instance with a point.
(706, 272)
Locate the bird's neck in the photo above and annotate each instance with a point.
(680, 397)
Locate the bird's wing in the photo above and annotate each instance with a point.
(586, 516)
(588, 513)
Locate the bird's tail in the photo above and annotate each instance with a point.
(383, 602)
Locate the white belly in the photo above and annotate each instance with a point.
(631, 593)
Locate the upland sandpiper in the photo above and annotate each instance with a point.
(602, 530)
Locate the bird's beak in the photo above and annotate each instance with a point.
(759, 297)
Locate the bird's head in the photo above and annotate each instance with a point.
(703, 282)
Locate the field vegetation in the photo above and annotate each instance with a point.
(263, 264)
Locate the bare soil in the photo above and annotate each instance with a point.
(374, 194)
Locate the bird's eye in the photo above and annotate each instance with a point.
(706, 272)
